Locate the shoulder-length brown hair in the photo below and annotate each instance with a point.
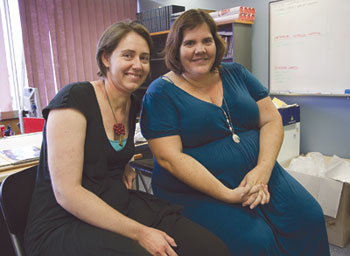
(189, 20)
(111, 38)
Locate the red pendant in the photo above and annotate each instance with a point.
(119, 129)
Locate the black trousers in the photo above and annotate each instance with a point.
(84, 239)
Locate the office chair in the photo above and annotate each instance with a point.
(15, 197)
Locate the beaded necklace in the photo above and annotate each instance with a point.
(118, 128)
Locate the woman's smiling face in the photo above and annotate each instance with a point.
(197, 50)
(129, 63)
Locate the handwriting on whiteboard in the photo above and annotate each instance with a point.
(286, 67)
(298, 35)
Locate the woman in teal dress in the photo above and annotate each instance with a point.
(215, 136)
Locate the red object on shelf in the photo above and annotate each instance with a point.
(2, 131)
(33, 124)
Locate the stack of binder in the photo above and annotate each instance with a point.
(174, 16)
(158, 19)
(227, 37)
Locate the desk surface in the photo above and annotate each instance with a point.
(8, 167)
(30, 139)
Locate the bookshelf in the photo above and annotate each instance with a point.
(237, 34)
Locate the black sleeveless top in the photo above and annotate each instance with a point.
(102, 172)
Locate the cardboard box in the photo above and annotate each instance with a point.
(334, 198)
(338, 228)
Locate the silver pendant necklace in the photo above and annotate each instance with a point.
(235, 137)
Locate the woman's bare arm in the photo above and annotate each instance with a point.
(65, 139)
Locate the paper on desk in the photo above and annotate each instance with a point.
(17, 141)
(281, 104)
(21, 154)
(4, 162)
(339, 169)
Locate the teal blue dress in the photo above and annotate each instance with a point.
(291, 224)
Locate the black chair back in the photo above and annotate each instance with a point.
(15, 197)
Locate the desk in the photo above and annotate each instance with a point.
(11, 169)
(15, 142)
(35, 139)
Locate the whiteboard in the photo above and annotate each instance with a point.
(309, 47)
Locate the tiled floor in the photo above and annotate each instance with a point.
(338, 251)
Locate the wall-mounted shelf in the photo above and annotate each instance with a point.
(160, 33)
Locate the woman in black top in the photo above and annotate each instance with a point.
(83, 203)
